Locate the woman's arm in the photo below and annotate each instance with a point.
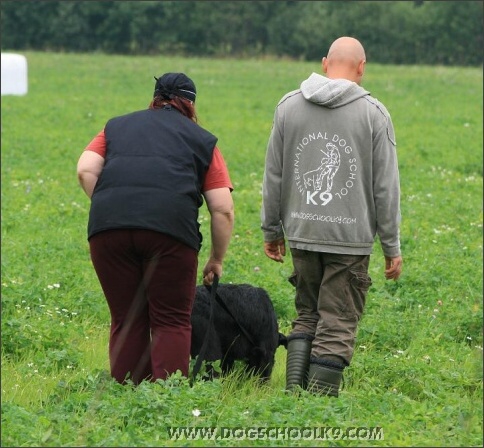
(89, 168)
(221, 208)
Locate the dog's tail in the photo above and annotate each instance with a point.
(282, 340)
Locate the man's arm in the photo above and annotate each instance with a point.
(271, 224)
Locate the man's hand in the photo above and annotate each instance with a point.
(275, 250)
(393, 267)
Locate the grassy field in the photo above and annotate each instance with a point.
(417, 371)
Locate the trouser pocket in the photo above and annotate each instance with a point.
(360, 283)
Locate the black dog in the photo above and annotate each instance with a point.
(247, 330)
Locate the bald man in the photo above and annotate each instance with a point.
(330, 187)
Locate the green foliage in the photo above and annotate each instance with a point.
(417, 370)
(393, 32)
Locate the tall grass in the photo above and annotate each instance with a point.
(417, 370)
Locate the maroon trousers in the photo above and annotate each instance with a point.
(148, 279)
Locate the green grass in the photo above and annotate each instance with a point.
(417, 369)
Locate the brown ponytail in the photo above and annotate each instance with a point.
(186, 107)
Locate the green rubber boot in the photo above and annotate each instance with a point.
(324, 378)
(297, 363)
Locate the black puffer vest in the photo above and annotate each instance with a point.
(156, 161)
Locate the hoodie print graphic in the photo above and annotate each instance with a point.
(317, 160)
(328, 168)
(326, 171)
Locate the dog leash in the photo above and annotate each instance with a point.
(201, 354)
(244, 331)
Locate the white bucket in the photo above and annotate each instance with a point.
(14, 74)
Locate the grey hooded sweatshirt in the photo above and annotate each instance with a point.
(331, 181)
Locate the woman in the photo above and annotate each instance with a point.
(147, 174)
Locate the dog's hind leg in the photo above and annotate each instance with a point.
(227, 365)
(260, 363)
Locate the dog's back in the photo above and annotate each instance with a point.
(253, 310)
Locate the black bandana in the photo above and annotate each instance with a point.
(175, 84)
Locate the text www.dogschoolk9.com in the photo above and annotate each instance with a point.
(274, 433)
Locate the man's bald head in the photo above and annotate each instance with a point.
(346, 49)
(346, 59)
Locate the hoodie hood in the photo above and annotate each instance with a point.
(331, 93)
